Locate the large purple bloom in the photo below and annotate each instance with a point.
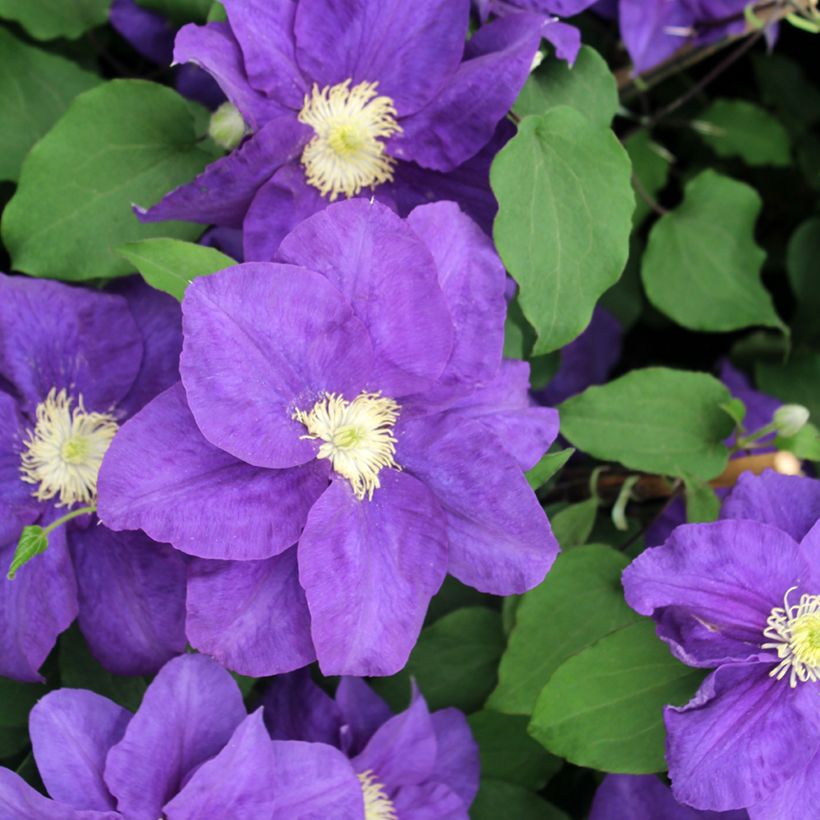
(416, 765)
(350, 396)
(190, 751)
(74, 364)
(370, 97)
(742, 596)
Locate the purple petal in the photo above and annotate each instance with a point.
(58, 336)
(362, 712)
(254, 777)
(566, 40)
(429, 801)
(389, 277)
(27, 804)
(250, 615)
(281, 204)
(71, 732)
(222, 193)
(411, 49)
(759, 407)
(461, 120)
(18, 506)
(742, 736)
(194, 495)
(214, 49)
(713, 586)
(645, 797)
(35, 607)
(297, 709)
(197, 85)
(790, 503)
(264, 31)
(588, 360)
(473, 281)
(457, 760)
(261, 340)
(132, 598)
(798, 797)
(645, 28)
(187, 715)
(159, 319)
(500, 539)
(369, 569)
(147, 31)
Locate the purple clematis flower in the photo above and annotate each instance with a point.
(415, 765)
(350, 396)
(190, 751)
(565, 39)
(374, 98)
(74, 364)
(645, 797)
(740, 596)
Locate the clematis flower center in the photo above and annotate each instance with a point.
(63, 453)
(794, 630)
(377, 805)
(346, 153)
(358, 436)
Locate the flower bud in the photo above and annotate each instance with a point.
(227, 127)
(790, 419)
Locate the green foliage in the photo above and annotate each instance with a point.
(126, 141)
(497, 799)
(170, 264)
(180, 11)
(35, 90)
(16, 700)
(603, 707)
(49, 19)
(548, 466)
(702, 265)
(805, 444)
(454, 662)
(588, 86)
(579, 602)
(702, 503)
(33, 541)
(573, 524)
(736, 128)
(796, 381)
(802, 266)
(563, 258)
(656, 420)
(650, 171)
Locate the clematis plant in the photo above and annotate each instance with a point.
(190, 751)
(74, 364)
(416, 764)
(350, 396)
(373, 98)
(740, 596)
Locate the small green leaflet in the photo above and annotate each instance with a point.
(33, 541)
(49, 19)
(547, 467)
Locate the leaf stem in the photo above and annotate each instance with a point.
(68, 516)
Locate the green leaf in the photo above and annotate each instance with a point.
(735, 409)
(180, 11)
(702, 266)
(16, 700)
(650, 171)
(573, 524)
(13, 739)
(33, 541)
(588, 86)
(79, 669)
(454, 662)
(805, 444)
(795, 382)
(656, 420)
(702, 504)
(547, 467)
(736, 128)
(603, 708)
(35, 90)
(170, 264)
(126, 141)
(565, 205)
(508, 753)
(625, 298)
(801, 263)
(579, 602)
(497, 799)
(49, 19)
(785, 88)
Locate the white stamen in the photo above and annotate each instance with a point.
(377, 805)
(357, 435)
(63, 453)
(794, 630)
(347, 152)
